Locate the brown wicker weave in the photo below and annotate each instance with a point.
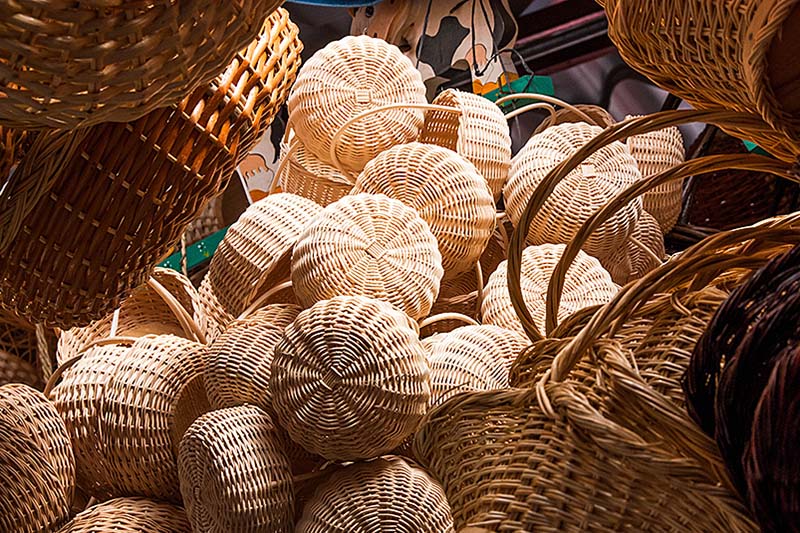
(345, 78)
(350, 379)
(238, 362)
(446, 191)
(253, 257)
(369, 245)
(235, 475)
(600, 117)
(16, 370)
(302, 173)
(643, 252)
(479, 134)
(587, 284)
(17, 336)
(37, 467)
(66, 65)
(386, 494)
(130, 515)
(209, 221)
(737, 55)
(600, 177)
(126, 408)
(126, 196)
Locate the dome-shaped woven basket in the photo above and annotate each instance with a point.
(738, 55)
(126, 408)
(643, 252)
(472, 358)
(350, 379)
(446, 191)
(130, 515)
(369, 245)
(603, 175)
(381, 495)
(304, 174)
(37, 467)
(69, 66)
(253, 257)
(586, 284)
(346, 78)
(656, 152)
(127, 194)
(479, 133)
(235, 475)
(599, 116)
(238, 363)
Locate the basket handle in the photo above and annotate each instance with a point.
(334, 157)
(258, 302)
(273, 186)
(186, 321)
(441, 317)
(544, 98)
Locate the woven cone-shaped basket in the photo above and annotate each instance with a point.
(253, 257)
(381, 495)
(369, 245)
(238, 363)
(587, 284)
(350, 379)
(656, 152)
(124, 198)
(446, 191)
(348, 77)
(479, 134)
(235, 475)
(643, 252)
(126, 409)
(37, 467)
(130, 515)
(304, 174)
(600, 117)
(601, 177)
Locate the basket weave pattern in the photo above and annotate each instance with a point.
(130, 515)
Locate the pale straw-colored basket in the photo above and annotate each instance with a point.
(369, 245)
(587, 283)
(302, 173)
(643, 252)
(130, 515)
(350, 378)
(600, 177)
(387, 494)
(347, 77)
(447, 192)
(600, 117)
(235, 475)
(479, 133)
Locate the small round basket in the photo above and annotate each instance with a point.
(130, 515)
(386, 494)
(447, 192)
(235, 475)
(303, 174)
(350, 378)
(373, 246)
(346, 78)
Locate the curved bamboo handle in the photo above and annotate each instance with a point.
(334, 157)
(530, 107)
(186, 321)
(544, 98)
(263, 298)
(448, 316)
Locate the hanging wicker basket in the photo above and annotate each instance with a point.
(130, 515)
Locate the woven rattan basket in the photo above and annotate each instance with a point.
(600, 117)
(126, 409)
(108, 219)
(386, 494)
(643, 252)
(330, 380)
(37, 467)
(346, 78)
(446, 191)
(600, 177)
(209, 221)
(130, 515)
(369, 245)
(302, 173)
(17, 336)
(65, 66)
(16, 370)
(479, 133)
(253, 257)
(235, 475)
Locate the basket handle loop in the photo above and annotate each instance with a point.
(441, 317)
(282, 164)
(186, 321)
(546, 99)
(258, 302)
(334, 157)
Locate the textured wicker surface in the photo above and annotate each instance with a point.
(446, 191)
(253, 257)
(350, 379)
(126, 408)
(600, 116)
(126, 196)
(586, 284)
(16, 370)
(369, 245)
(306, 175)
(130, 515)
(643, 252)
(235, 475)
(348, 77)
(17, 336)
(238, 363)
(210, 220)
(37, 467)
(65, 66)
(386, 494)
(479, 133)
(585, 190)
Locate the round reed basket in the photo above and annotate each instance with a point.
(643, 252)
(302, 173)
(130, 515)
